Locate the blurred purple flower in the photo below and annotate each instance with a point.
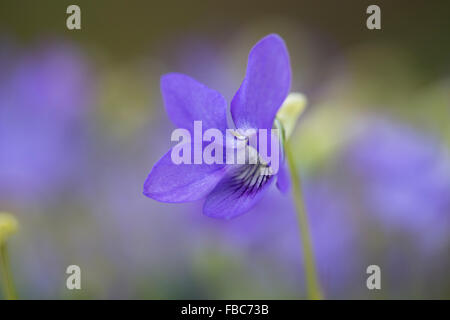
(407, 179)
(269, 235)
(42, 106)
(228, 192)
(135, 244)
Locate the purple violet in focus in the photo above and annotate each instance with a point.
(227, 189)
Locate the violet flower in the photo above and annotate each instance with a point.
(229, 190)
(261, 103)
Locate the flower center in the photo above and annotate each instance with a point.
(251, 178)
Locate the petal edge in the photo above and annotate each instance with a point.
(266, 84)
(187, 100)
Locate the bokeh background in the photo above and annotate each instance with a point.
(82, 123)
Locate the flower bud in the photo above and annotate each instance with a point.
(290, 111)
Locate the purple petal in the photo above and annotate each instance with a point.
(187, 100)
(168, 182)
(283, 178)
(265, 86)
(231, 197)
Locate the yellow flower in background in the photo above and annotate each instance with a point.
(8, 225)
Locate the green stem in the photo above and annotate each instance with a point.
(8, 284)
(313, 287)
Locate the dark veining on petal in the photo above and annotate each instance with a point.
(250, 179)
